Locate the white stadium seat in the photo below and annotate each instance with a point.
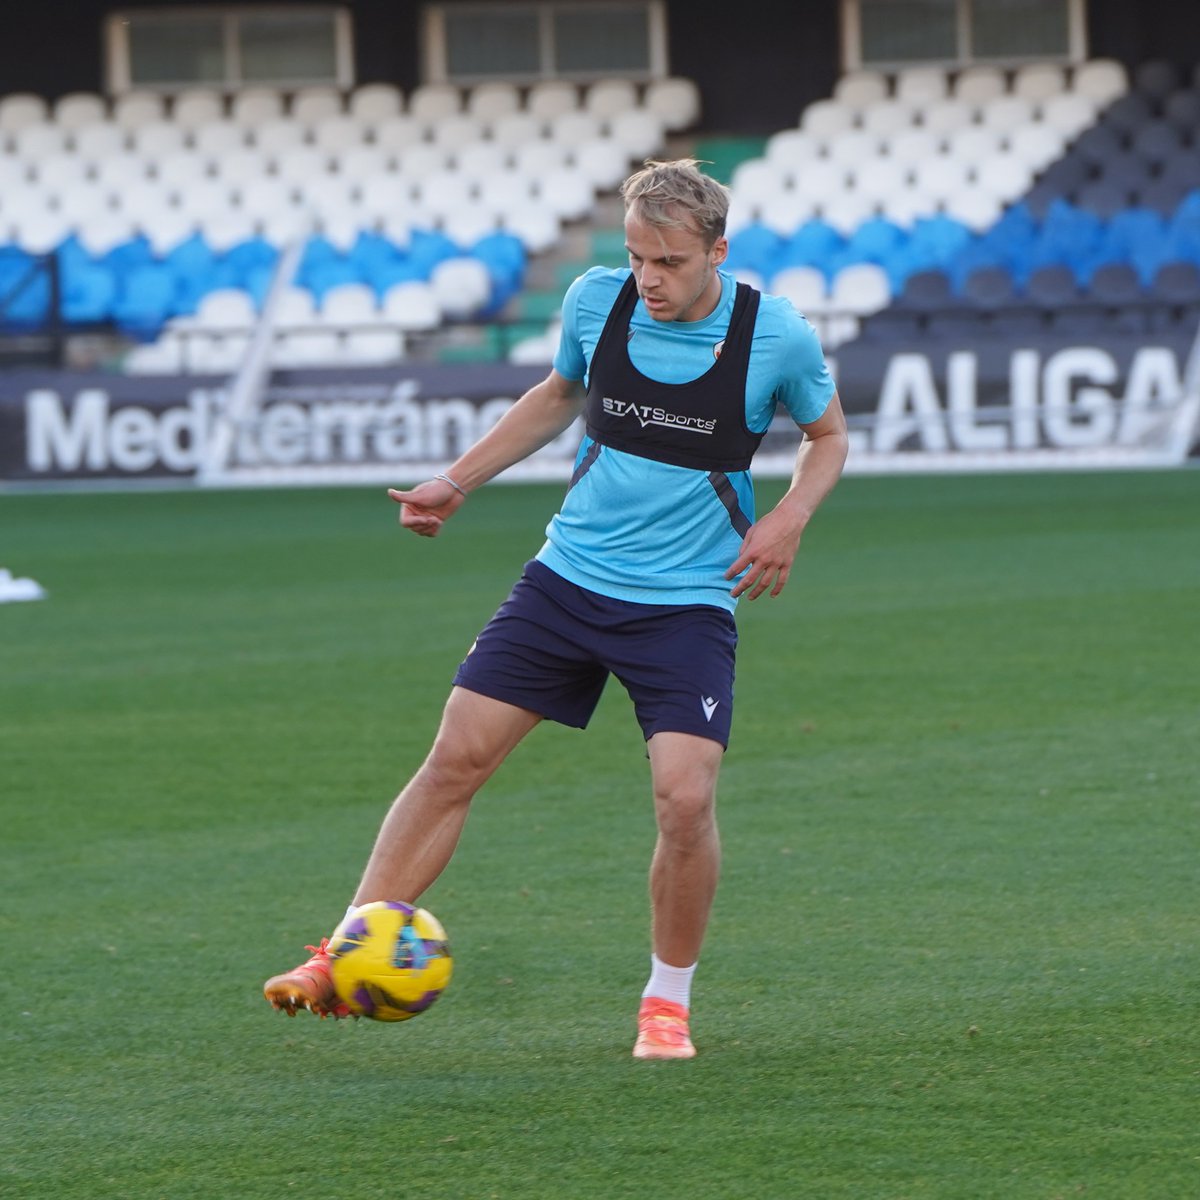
(215, 138)
(828, 118)
(921, 85)
(890, 116)
(860, 89)
(551, 98)
(134, 109)
(567, 193)
(254, 105)
(1039, 81)
(19, 109)
(98, 140)
(488, 101)
(608, 97)
(226, 308)
(397, 132)
(333, 134)
(1100, 80)
(350, 304)
(430, 102)
(601, 161)
(675, 101)
(979, 84)
(785, 211)
(156, 138)
(516, 129)
(36, 140)
(374, 102)
(312, 104)
(373, 347)
(412, 307)
(639, 134)
(860, 289)
(79, 108)
(279, 135)
(121, 171)
(197, 106)
(462, 286)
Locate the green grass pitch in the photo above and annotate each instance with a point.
(954, 953)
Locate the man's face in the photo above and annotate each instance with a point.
(675, 269)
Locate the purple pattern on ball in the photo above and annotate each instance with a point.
(363, 999)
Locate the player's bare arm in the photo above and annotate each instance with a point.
(541, 414)
(770, 547)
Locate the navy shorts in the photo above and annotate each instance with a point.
(552, 645)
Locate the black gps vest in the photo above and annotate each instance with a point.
(699, 424)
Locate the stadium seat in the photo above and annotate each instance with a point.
(132, 110)
(431, 102)
(254, 105)
(1182, 109)
(1101, 80)
(412, 307)
(372, 347)
(550, 98)
(98, 140)
(35, 140)
(1126, 113)
(333, 134)
(375, 102)
(461, 286)
(196, 107)
(860, 89)
(1157, 78)
(639, 134)
(1177, 283)
(674, 101)
(921, 85)
(607, 98)
(1039, 81)
(489, 101)
(19, 109)
(77, 109)
(979, 84)
(312, 104)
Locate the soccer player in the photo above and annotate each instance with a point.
(678, 371)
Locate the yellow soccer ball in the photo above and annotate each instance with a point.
(390, 960)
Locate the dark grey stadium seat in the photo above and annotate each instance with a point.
(1182, 108)
(1163, 195)
(989, 288)
(1157, 141)
(1106, 197)
(1127, 112)
(1050, 287)
(1098, 144)
(1156, 79)
(1177, 283)
(926, 291)
(1113, 284)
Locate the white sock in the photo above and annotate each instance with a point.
(669, 983)
(349, 913)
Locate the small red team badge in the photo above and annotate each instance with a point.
(718, 347)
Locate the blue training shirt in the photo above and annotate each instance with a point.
(650, 532)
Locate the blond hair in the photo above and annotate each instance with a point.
(678, 195)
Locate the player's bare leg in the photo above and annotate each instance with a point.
(421, 830)
(683, 877)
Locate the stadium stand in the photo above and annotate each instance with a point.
(989, 200)
(149, 206)
(921, 200)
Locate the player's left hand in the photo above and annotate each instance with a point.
(767, 554)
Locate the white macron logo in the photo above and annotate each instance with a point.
(709, 705)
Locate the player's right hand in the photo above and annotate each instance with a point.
(425, 508)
